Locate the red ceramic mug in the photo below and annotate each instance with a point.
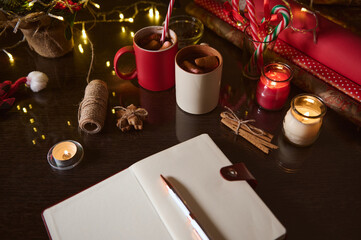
(155, 69)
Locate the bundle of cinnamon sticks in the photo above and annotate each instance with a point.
(259, 138)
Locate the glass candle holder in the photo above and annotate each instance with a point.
(251, 60)
(274, 86)
(65, 155)
(303, 121)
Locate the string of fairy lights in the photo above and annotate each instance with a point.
(119, 14)
(98, 17)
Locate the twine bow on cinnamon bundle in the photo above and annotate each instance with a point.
(130, 116)
(258, 137)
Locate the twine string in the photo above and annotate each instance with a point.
(232, 116)
(92, 109)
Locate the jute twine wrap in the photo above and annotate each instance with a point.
(92, 110)
(45, 35)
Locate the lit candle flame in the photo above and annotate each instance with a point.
(66, 155)
(310, 100)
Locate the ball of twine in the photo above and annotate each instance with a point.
(92, 109)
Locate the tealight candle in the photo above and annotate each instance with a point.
(274, 86)
(64, 151)
(303, 120)
(65, 155)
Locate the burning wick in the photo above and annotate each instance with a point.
(66, 155)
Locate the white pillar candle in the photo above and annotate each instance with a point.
(303, 120)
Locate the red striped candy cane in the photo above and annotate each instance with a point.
(235, 4)
(284, 12)
(166, 22)
(252, 20)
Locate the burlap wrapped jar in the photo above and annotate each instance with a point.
(45, 35)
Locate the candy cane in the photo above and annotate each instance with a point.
(166, 22)
(235, 5)
(284, 12)
(253, 20)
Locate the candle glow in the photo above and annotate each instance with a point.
(274, 86)
(64, 151)
(303, 120)
(65, 155)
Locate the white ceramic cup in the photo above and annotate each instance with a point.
(197, 93)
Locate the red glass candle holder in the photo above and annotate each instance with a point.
(274, 86)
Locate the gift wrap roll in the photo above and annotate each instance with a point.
(92, 110)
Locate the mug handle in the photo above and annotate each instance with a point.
(126, 76)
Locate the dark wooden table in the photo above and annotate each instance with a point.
(315, 191)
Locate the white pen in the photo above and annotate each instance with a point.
(185, 209)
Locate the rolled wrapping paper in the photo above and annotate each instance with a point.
(337, 100)
(92, 110)
(337, 47)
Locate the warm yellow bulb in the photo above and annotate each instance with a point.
(156, 14)
(80, 47)
(151, 12)
(107, 63)
(55, 16)
(132, 34)
(11, 58)
(123, 29)
(131, 20)
(121, 16)
(83, 33)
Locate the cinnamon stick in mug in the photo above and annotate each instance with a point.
(207, 62)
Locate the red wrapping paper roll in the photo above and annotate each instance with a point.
(336, 47)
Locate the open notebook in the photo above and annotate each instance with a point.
(134, 203)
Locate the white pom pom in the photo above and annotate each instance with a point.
(37, 81)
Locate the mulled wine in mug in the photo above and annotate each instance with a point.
(155, 67)
(198, 78)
